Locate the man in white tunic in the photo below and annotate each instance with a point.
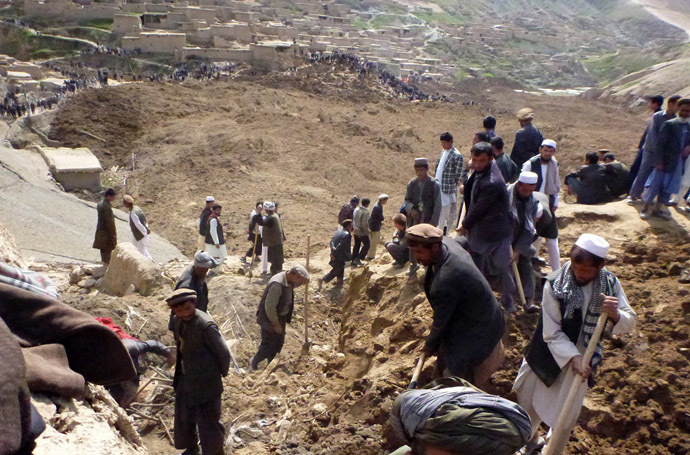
(574, 297)
(138, 225)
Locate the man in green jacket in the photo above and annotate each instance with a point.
(106, 233)
(203, 359)
(275, 311)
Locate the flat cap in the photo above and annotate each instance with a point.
(181, 295)
(128, 199)
(346, 223)
(524, 114)
(299, 270)
(425, 233)
(419, 162)
(205, 260)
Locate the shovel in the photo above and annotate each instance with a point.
(516, 272)
(251, 266)
(307, 343)
(417, 372)
(559, 435)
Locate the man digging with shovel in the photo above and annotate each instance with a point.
(575, 296)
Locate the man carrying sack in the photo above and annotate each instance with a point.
(574, 297)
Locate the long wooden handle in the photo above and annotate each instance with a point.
(516, 272)
(417, 371)
(560, 435)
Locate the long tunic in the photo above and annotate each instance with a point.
(547, 402)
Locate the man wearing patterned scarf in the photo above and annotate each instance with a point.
(574, 297)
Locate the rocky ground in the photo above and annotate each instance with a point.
(311, 142)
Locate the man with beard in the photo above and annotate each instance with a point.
(487, 225)
(574, 297)
(467, 322)
(548, 183)
(527, 139)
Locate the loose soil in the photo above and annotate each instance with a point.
(311, 142)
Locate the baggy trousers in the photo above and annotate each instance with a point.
(338, 271)
(271, 345)
(205, 417)
(363, 241)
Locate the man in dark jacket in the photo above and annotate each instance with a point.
(589, 183)
(275, 311)
(673, 145)
(398, 247)
(106, 233)
(203, 221)
(617, 175)
(509, 170)
(375, 221)
(487, 225)
(341, 253)
(347, 211)
(467, 322)
(203, 359)
(422, 201)
(528, 138)
(254, 234)
(194, 277)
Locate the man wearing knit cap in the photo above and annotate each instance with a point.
(275, 311)
(422, 201)
(467, 322)
(138, 225)
(272, 236)
(203, 221)
(527, 213)
(528, 138)
(574, 297)
(545, 166)
(203, 359)
(450, 173)
(375, 222)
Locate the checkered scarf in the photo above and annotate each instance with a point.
(566, 290)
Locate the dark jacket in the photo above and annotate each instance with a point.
(509, 169)
(273, 230)
(467, 321)
(528, 139)
(376, 218)
(346, 213)
(489, 213)
(617, 178)
(426, 202)
(106, 234)
(203, 220)
(593, 188)
(202, 359)
(187, 281)
(669, 146)
(209, 239)
(341, 250)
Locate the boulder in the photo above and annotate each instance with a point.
(128, 268)
(76, 275)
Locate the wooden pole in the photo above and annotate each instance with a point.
(560, 435)
(516, 272)
(306, 298)
(417, 371)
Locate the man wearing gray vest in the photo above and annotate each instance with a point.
(138, 225)
(203, 359)
(272, 236)
(275, 311)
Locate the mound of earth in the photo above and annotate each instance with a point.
(309, 140)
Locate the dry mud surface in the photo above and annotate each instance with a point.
(311, 142)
